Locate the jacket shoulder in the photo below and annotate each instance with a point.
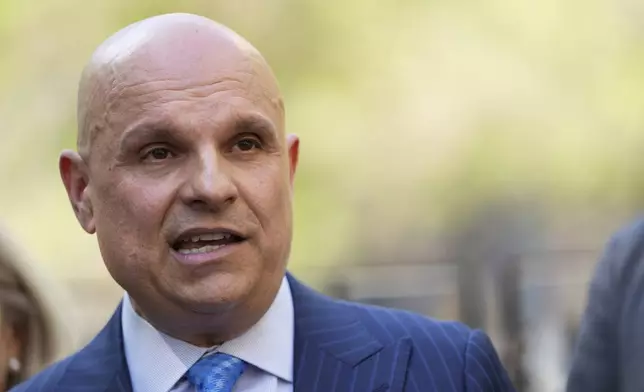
(626, 245)
(46, 380)
(388, 325)
(445, 354)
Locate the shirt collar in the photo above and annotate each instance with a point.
(157, 361)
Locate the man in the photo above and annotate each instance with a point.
(610, 348)
(185, 174)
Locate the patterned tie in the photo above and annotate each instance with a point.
(216, 373)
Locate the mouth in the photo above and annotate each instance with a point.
(204, 241)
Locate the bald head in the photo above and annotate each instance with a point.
(168, 53)
(181, 132)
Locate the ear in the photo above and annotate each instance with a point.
(293, 145)
(74, 173)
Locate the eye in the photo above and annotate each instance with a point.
(158, 154)
(248, 144)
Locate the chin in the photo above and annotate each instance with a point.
(221, 292)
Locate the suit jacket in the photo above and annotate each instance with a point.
(339, 346)
(609, 355)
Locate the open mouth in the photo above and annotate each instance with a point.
(206, 242)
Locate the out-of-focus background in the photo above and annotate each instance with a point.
(465, 159)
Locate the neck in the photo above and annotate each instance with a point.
(204, 330)
(219, 331)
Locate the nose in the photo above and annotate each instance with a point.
(208, 184)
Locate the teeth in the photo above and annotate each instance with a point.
(213, 237)
(208, 237)
(203, 249)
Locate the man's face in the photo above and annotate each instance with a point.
(189, 181)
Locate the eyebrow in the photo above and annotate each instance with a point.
(256, 123)
(166, 131)
(144, 131)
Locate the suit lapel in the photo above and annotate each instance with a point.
(100, 366)
(334, 351)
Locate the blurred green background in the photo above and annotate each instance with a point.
(433, 133)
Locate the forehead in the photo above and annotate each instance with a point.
(189, 80)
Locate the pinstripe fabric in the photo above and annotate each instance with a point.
(343, 346)
(609, 355)
(339, 346)
(100, 366)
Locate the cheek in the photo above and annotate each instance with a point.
(268, 196)
(129, 219)
(131, 208)
(267, 193)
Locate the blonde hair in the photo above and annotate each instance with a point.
(23, 303)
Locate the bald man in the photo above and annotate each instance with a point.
(185, 174)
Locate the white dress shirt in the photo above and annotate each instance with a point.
(158, 362)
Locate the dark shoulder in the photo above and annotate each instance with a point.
(47, 379)
(388, 325)
(628, 241)
(620, 262)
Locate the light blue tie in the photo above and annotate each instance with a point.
(216, 373)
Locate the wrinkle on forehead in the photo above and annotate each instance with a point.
(177, 51)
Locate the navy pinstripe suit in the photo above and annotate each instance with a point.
(339, 346)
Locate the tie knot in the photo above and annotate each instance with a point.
(216, 373)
